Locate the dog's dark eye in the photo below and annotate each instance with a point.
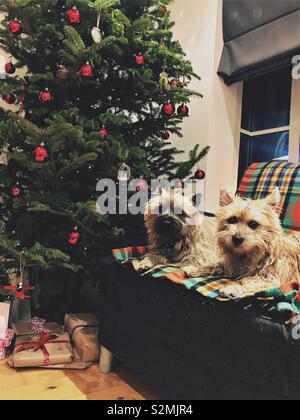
(233, 220)
(253, 225)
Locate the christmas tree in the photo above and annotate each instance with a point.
(105, 85)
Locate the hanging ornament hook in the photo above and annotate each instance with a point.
(99, 11)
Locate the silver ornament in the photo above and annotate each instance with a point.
(124, 173)
(96, 35)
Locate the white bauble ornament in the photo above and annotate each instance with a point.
(96, 35)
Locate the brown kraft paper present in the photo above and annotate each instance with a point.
(83, 330)
(47, 349)
(76, 364)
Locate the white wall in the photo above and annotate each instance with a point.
(195, 28)
(215, 119)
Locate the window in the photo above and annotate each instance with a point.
(270, 128)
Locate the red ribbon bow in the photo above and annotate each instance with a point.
(19, 292)
(45, 338)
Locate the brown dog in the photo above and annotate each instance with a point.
(177, 233)
(254, 248)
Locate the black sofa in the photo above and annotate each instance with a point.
(192, 348)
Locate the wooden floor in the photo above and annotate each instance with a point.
(39, 384)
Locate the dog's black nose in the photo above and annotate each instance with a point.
(237, 240)
(164, 224)
(168, 222)
(167, 225)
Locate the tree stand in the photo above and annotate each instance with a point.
(106, 360)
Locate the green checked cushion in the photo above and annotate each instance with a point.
(261, 179)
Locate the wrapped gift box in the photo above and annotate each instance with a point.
(47, 349)
(83, 330)
(76, 364)
(4, 318)
(6, 339)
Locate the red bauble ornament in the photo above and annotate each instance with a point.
(200, 174)
(74, 237)
(87, 71)
(141, 185)
(45, 96)
(168, 109)
(14, 26)
(16, 190)
(103, 132)
(10, 68)
(9, 98)
(41, 153)
(166, 135)
(74, 16)
(140, 59)
(183, 110)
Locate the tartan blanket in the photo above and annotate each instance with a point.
(261, 179)
(284, 301)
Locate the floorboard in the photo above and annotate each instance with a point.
(40, 384)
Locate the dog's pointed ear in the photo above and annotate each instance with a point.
(274, 199)
(225, 198)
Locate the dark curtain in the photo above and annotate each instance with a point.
(259, 36)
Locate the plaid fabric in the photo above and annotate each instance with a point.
(261, 179)
(124, 255)
(284, 300)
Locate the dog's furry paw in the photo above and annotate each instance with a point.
(193, 272)
(232, 292)
(151, 261)
(145, 264)
(205, 271)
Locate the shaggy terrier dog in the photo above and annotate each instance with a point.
(178, 234)
(254, 248)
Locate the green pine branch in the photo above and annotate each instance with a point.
(76, 163)
(185, 169)
(103, 4)
(37, 257)
(73, 42)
